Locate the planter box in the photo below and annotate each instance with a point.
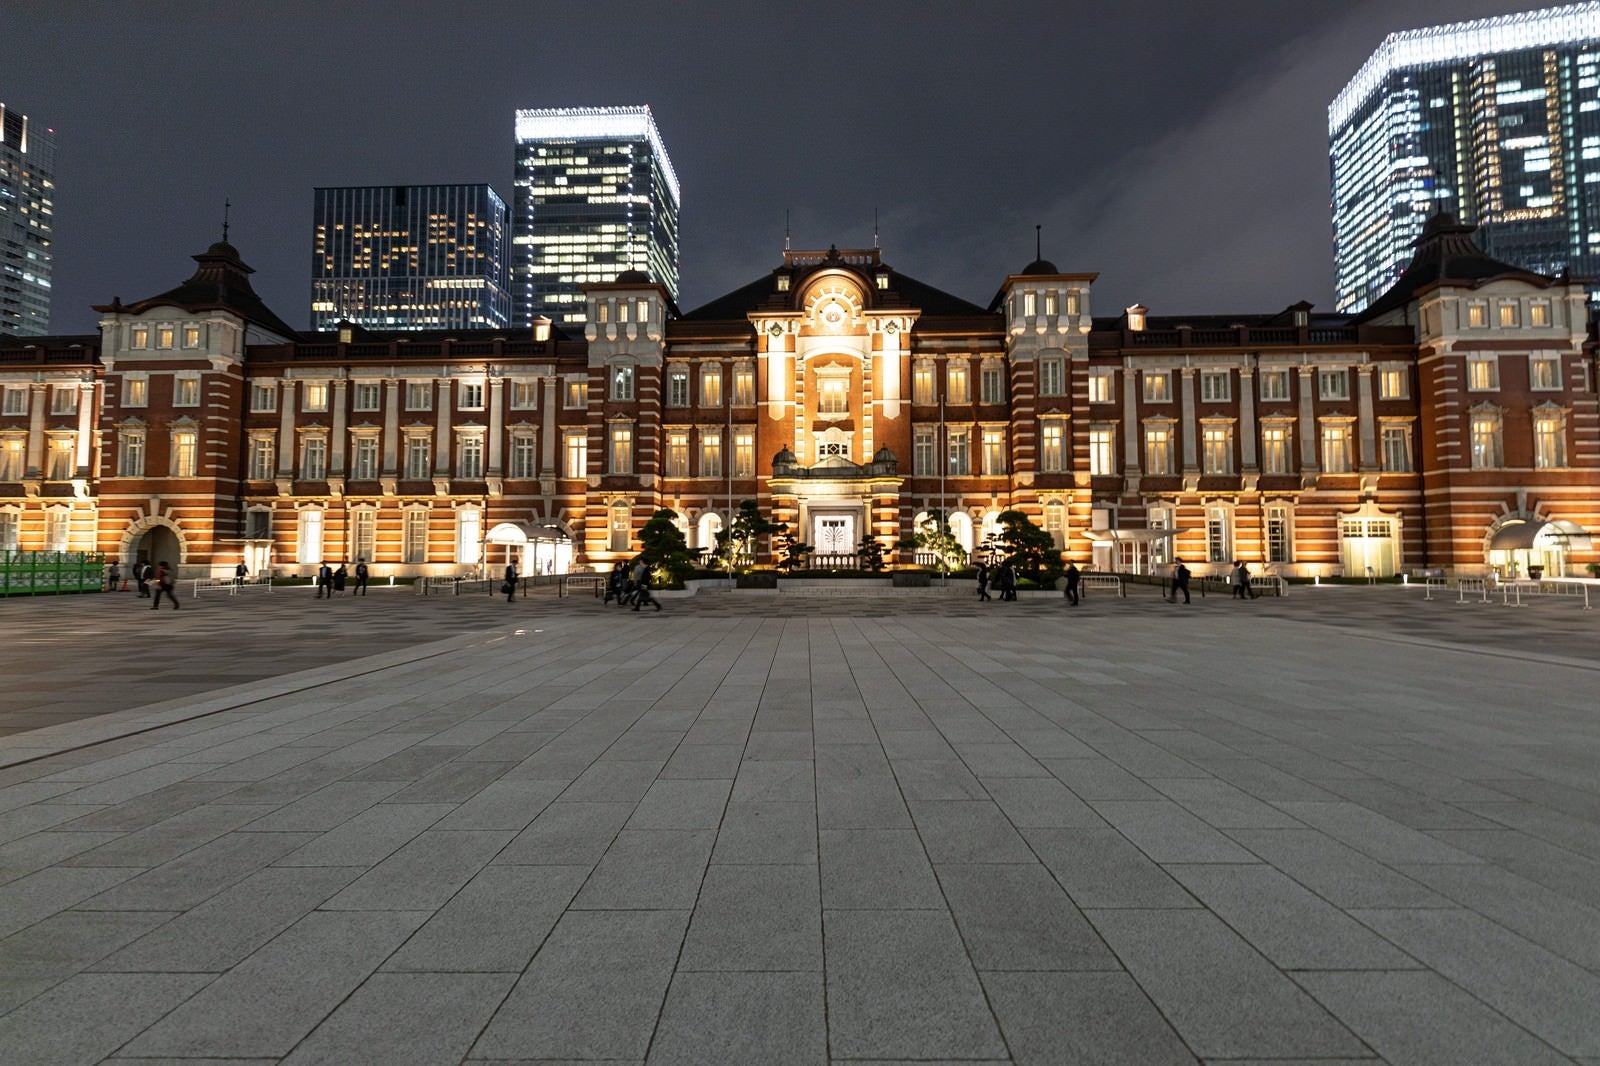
(911, 579)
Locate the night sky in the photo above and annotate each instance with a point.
(1177, 148)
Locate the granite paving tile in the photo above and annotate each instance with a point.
(223, 930)
(1041, 803)
(861, 803)
(1419, 1017)
(657, 869)
(775, 780)
(303, 974)
(613, 782)
(568, 834)
(1372, 834)
(89, 1016)
(1099, 868)
(25, 821)
(1220, 804)
(39, 895)
(766, 832)
(503, 805)
(1050, 1018)
(756, 918)
(495, 923)
(169, 839)
(876, 869)
(454, 782)
(34, 852)
(1018, 918)
(197, 875)
(1341, 875)
(326, 808)
(369, 837)
(1223, 998)
(900, 986)
(405, 1018)
(681, 804)
(69, 941)
(775, 1019)
(704, 761)
(1167, 833)
(1099, 779)
(594, 991)
(1527, 908)
(940, 779)
(967, 831)
(150, 808)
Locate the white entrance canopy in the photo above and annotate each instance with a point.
(1517, 536)
(1131, 536)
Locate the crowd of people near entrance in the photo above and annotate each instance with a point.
(629, 586)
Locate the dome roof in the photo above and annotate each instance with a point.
(1039, 266)
(633, 277)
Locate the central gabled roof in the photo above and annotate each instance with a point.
(763, 294)
(221, 282)
(1446, 253)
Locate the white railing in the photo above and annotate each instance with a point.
(1466, 586)
(231, 585)
(1102, 581)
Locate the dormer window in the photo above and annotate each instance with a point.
(541, 329)
(139, 337)
(1477, 315)
(191, 336)
(1050, 303)
(602, 313)
(1302, 318)
(1509, 316)
(346, 334)
(783, 283)
(164, 335)
(1136, 318)
(1030, 304)
(882, 279)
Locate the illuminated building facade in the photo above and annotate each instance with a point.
(595, 195)
(1496, 121)
(27, 216)
(1454, 424)
(410, 257)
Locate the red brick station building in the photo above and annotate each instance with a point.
(1454, 424)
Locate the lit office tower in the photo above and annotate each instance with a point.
(1496, 121)
(27, 187)
(410, 257)
(595, 196)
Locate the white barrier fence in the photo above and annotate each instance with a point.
(231, 585)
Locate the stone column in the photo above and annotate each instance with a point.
(336, 446)
(1191, 423)
(496, 425)
(1308, 424)
(38, 398)
(1130, 421)
(441, 423)
(286, 428)
(391, 427)
(1247, 417)
(1368, 422)
(548, 445)
(85, 428)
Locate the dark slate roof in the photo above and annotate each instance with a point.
(633, 277)
(763, 295)
(1039, 267)
(1446, 252)
(221, 282)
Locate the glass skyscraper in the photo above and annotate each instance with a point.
(595, 196)
(1496, 121)
(410, 257)
(27, 189)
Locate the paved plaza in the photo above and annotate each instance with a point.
(1347, 826)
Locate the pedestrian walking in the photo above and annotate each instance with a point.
(164, 581)
(510, 587)
(114, 578)
(340, 576)
(141, 573)
(983, 583)
(324, 581)
(1180, 580)
(1240, 580)
(641, 588)
(616, 583)
(361, 579)
(240, 572)
(1073, 577)
(639, 578)
(1008, 581)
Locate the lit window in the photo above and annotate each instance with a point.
(191, 336)
(1157, 386)
(1157, 450)
(1052, 377)
(419, 396)
(1101, 444)
(522, 456)
(922, 384)
(923, 452)
(1544, 373)
(314, 397)
(57, 529)
(419, 456)
(576, 393)
(469, 458)
(577, 451)
(469, 535)
(710, 454)
(1217, 450)
(678, 387)
(744, 454)
(1396, 449)
(711, 386)
(1029, 304)
(363, 533)
(186, 392)
(1335, 449)
(1052, 447)
(470, 397)
(16, 399)
(366, 396)
(130, 454)
(415, 534)
(1215, 386)
(524, 395)
(1549, 441)
(263, 396)
(1102, 381)
(185, 451)
(621, 449)
(1333, 384)
(164, 336)
(744, 386)
(994, 452)
(1477, 315)
(1483, 374)
(622, 382)
(314, 459)
(992, 384)
(64, 400)
(139, 337)
(1274, 385)
(833, 396)
(11, 456)
(1274, 450)
(1510, 316)
(1055, 522)
(1487, 447)
(60, 465)
(1279, 541)
(135, 392)
(1394, 383)
(956, 384)
(262, 456)
(959, 442)
(1539, 313)
(9, 531)
(1219, 535)
(621, 526)
(678, 454)
(365, 465)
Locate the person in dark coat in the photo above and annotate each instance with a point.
(165, 579)
(616, 583)
(1180, 581)
(1073, 577)
(361, 579)
(339, 577)
(983, 583)
(114, 578)
(510, 587)
(641, 588)
(324, 581)
(1008, 581)
(141, 574)
(240, 572)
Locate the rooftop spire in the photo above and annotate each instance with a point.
(1038, 242)
(227, 207)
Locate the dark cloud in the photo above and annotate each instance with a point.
(1178, 149)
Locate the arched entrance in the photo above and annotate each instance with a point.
(535, 549)
(1369, 542)
(1523, 545)
(153, 540)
